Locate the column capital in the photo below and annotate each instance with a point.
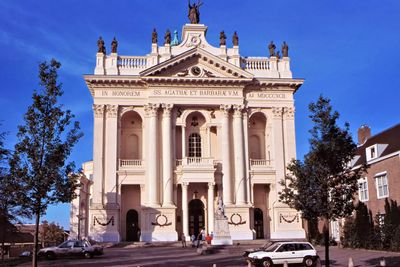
(151, 109)
(112, 111)
(289, 112)
(277, 112)
(98, 110)
(237, 109)
(167, 109)
(225, 109)
(211, 185)
(185, 185)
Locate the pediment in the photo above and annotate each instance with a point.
(196, 63)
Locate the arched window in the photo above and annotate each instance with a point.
(195, 145)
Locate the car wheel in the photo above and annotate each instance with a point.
(267, 263)
(308, 261)
(88, 255)
(50, 256)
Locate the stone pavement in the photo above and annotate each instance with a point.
(172, 254)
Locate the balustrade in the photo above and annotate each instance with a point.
(260, 162)
(254, 63)
(130, 163)
(132, 62)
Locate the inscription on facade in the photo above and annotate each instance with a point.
(196, 92)
(119, 93)
(264, 95)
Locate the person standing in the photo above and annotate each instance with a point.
(183, 237)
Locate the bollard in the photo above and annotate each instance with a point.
(285, 264)
(214, 265)
(351, 263)
(382, 262)
(249, 264)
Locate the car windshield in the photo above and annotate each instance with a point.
(273, 247)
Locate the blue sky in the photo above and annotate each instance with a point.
(347, 50)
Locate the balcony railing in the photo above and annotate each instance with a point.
(195, 161)
(256, 63)
(132, 62)
(126, 163)
(260, 162)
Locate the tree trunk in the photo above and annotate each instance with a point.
(36, 240)
(3, 234)
(326, 241)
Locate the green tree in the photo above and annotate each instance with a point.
(51, 234)
(46, 139)
(323, 184)
(10, 211)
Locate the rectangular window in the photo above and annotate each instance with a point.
(382, 187)
(363, 189)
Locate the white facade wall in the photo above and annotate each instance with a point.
(174, 130)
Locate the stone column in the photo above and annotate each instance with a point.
(246, 157)
(152, 162)
(111, 154)
(240, 176)
(98, 154)
(210, 202)
(185, 210)
(226, 162)
(183, 142)
(167, 156)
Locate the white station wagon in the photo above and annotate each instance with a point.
(281, 252)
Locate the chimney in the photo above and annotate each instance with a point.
(364, 132)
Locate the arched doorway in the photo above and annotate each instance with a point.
(196, 217)
(132, 226)
(258, 223)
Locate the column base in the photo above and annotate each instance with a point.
(286, 223)
(239, 222)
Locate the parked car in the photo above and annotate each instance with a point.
(80, 248)
(281, 252)
(25, 254)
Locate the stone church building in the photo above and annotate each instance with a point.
(180, 128)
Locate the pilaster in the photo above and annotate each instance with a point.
(111, 155)
(98, 155)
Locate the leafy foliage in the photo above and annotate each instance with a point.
(46, 139)
(383, 233)
(51, 234)
(323, 185)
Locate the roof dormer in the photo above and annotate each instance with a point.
(374, 151)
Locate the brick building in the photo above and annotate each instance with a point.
(382, 153)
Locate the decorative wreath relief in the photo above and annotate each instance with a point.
(161, 220)
(236, 219)
(111, 220)
(287, 219)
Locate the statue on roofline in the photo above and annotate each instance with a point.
(194, 12)
(285, 49)
(235, 39)
(167, 37)
(114, 45)
(222, 38)
(271, 48)
(154, 36)
(100, 45)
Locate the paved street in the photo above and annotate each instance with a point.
(174, 255)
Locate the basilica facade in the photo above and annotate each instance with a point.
(185, 127)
